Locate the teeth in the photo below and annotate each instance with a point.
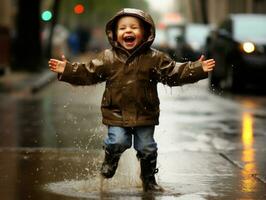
(129, 38)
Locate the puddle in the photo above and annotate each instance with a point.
(93, 188)
(107, 189)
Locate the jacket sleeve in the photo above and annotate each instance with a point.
(173, 73)
(89, 73)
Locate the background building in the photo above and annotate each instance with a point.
(213, 11)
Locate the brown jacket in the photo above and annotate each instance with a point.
(130, 97)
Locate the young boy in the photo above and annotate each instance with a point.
(130, 104)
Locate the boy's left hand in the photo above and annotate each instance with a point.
(207, 65)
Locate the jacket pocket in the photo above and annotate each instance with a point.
(152, 98)
(106, 100)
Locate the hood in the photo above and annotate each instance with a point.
(146, 19)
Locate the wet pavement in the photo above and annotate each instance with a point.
(211, 146)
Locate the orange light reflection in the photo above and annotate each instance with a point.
(247, 130)
(248, 154)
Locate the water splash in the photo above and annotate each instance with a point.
(125, 181)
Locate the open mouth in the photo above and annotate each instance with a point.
(129, 39)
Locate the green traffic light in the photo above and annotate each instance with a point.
(47, 15)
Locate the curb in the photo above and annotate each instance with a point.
(43, 80)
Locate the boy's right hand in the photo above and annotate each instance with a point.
(57, 66)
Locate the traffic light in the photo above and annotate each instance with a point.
(47, 15)
(79, 9)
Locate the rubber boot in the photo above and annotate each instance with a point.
(148, 170)
(110, 164)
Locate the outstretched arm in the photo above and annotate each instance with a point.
(173, 73)
(86, 73)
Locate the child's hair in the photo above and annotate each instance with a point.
(145, 25)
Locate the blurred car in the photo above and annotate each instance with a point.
(172, 33)
(166, 38)
(160, 41)
(239, 47)
(191, 44)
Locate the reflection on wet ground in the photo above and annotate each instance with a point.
(210, 147)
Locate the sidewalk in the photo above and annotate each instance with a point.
(25, 81)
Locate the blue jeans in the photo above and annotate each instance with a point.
(120, 138)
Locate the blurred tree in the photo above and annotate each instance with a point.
(26, 48)
(204, 13)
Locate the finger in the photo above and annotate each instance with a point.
(202, 58)
(53, 60)
(52, 65)
(210, 66)
(63, 57)
(53, 70)
(209, 69)
(210, 63)
(210, 60)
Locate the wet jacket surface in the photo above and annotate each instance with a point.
(130, 97)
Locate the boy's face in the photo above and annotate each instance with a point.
(130, 32)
